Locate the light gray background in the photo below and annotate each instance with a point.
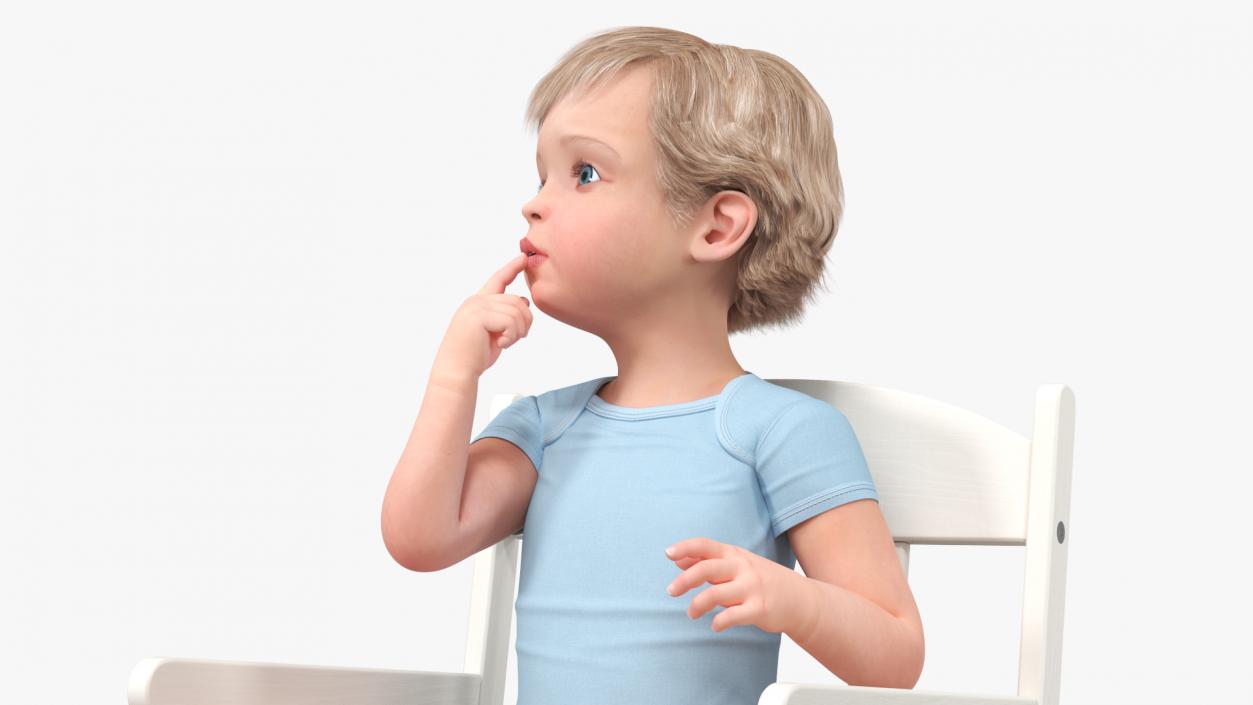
(234, 233)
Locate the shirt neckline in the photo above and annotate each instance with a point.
(604, 408)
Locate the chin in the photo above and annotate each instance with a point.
(540, 300)
(554, 307)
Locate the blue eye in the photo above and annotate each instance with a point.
(576, 171)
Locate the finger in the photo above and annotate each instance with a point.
(698, 547)
(713, 571)
(731, 617)
(508, 338)
(514, 307)
(687, 562)
(504, 276)
(726, 594)
(515, 310)
(502, 321)
(524, 306)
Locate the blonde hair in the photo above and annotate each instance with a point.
(726, 118)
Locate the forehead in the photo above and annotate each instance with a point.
(616, 112)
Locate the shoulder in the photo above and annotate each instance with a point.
(759, 412)
(558, 408)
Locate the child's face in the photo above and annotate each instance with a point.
(600, 216)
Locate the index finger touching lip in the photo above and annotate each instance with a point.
(502, 277)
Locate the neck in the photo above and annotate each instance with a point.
(670, 358)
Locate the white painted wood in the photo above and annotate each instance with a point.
(1048, 527)
(784, 693)
(171, 681)
(945, 475)
(902, 552)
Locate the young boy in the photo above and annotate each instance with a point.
(688, 191)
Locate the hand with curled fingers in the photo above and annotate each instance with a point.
(485, 324)
(754, 589)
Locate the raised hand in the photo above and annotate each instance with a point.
(485, 324)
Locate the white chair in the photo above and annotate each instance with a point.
(944, 475)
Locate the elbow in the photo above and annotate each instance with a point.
(906, 669)
(415, 560)
(408, 553)
(911, 667)
(403, 557)
(913, 651)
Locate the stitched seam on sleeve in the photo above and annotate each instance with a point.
(735, 449)
(778, 417)
(808, 502)
(572, 413)
(555, 431)
(511, 436)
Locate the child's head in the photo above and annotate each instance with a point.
(719, 191)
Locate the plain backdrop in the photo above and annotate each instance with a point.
(234, 234)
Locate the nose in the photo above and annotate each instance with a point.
(531, 210)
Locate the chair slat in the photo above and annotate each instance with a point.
(785, 693)
(181, 681)
(944, 475)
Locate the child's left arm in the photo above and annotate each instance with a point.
(853, 610)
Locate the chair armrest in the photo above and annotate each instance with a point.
(785, 693)
(180, 681)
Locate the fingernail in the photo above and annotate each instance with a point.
(670, 551)
(670, 588)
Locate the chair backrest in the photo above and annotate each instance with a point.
(944, 475)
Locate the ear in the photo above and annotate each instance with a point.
(723, 226)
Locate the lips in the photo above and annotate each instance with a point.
(529, 247)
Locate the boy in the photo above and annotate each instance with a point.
(688, 191)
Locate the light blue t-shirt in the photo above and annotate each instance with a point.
(616, 486)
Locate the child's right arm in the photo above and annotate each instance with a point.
(423, 514)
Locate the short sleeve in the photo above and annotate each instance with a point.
(809, 461)
(519, 423)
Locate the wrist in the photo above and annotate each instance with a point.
(807, 595)
(452, 380)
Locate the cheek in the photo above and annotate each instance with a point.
(601, 247)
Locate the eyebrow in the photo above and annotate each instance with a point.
(565, 139)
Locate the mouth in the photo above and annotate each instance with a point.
(529, 248)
